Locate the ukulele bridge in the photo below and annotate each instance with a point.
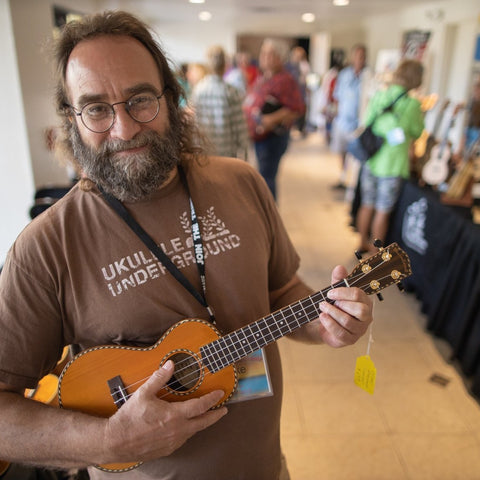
(117, 391)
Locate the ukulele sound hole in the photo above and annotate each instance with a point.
(186, 374)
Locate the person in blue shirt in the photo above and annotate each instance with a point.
(349, 93)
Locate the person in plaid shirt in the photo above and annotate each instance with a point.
(218, 109)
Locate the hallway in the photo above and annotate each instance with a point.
(411, 428)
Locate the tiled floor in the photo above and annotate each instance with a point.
(410, 428)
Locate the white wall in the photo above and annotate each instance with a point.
(35, 18)
(16, 182)
(33, 24)
(385, 31)
(184, 45)
(348, 37)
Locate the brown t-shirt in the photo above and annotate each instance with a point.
(78, 275)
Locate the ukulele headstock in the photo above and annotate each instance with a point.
(390, 265)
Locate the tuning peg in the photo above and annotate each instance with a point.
(358, 254)
(378, 243)
(380, 297)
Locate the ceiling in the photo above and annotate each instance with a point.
(260, 16)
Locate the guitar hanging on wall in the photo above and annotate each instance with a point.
(436, 170)
(100, 380)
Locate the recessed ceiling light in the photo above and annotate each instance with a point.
(308, 17)
(341, 3)
(205, 16)
(196, 1)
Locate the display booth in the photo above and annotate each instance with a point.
(444, 248)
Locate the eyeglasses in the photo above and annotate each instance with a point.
(99, 117)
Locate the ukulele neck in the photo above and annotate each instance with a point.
(242, 342)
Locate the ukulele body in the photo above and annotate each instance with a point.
(435, 171)
(100, 379)
(84, 381)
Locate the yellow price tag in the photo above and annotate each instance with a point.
(365, 374)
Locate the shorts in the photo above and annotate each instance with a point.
(379, 192)
(340, 139)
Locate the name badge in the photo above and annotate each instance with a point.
(253, 378)
(396, 136)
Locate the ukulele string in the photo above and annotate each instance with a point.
(179, 368)
(367, 285)
(356, 280)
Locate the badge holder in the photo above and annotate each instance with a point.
(253, 378)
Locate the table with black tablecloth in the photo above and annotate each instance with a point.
(444, 249)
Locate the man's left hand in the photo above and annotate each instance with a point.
(347, 319)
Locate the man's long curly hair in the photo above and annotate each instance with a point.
(192, 143)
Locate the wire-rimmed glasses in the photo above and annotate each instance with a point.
(99, 117)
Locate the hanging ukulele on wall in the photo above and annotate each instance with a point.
(436, 170)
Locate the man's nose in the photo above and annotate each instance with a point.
(124, 127)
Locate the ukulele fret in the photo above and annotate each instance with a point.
(239, 339)
(232, 349)
(297, 315)
(210, 357)
(273, 324)
(256, 335)
(266, 333)
(227, 353)
(282, 325)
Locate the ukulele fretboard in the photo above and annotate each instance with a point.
(240, 343)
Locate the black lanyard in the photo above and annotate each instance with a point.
(199, 251)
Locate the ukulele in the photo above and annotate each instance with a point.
(436, 170)
(100, 380)
(423, 145)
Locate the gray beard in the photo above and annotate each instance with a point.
(133, 177)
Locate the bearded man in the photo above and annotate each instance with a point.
(154, 233)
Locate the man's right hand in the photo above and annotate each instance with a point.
(146, 427)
